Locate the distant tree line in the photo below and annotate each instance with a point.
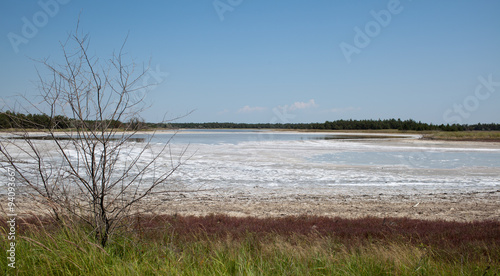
(340, 125)
(42, 121)
(12, 120)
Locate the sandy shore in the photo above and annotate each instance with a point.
(472, 206)
(457, 207)
(460, 206)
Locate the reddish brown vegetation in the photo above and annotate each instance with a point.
(420, 232)
(440, 233)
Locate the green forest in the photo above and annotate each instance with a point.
(12, 120)
(338, 125)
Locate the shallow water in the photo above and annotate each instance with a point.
(421, 159)
(237, 136)
(290, 163)
(287, 163)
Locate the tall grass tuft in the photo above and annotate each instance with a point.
(222, 245)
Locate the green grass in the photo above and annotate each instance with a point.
(486, 136)
(482, 136)
(168, 249)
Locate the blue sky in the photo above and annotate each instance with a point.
(279, 61)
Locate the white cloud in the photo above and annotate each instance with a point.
(301, 105)
(223, 112)
(343, 109)
(248, 109)
(295, 106)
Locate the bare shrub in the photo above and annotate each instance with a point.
(92, 169)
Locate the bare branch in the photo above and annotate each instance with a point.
(90, 170)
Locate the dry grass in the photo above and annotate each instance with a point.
(223, 245)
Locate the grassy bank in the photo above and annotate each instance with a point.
(480, 136)
(221, 245)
